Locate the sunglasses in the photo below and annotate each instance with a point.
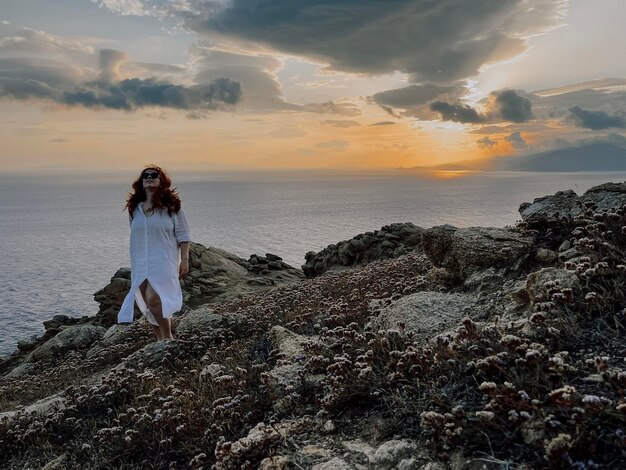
(151, 175)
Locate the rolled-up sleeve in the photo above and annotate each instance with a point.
(181, 227)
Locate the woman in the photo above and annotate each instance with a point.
(158, 228)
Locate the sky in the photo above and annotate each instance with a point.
(237, 85)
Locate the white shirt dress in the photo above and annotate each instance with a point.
(154, 256)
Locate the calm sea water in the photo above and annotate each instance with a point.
(62, 238)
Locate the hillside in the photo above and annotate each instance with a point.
(591, 157)
(404, 348)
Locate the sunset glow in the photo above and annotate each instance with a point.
(210, 90)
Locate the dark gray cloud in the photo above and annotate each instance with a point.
(43, 79)
(392, 112)
(505, 105)
(516, 140)
(457, 112)
(596, 120)
(512, 107)
(413, 99)
(136, 93)
(25, 89)
(440, 41)
(486, 142)
(412, 95)
(383, 123)
(128, 95)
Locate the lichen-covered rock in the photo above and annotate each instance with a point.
(425, 313)
(468, 250)
(536, 282)
(74, 337)
(40, 407)
(151, 355)
(285, 378)
(390, 453)
(203, 320)
(550, 209)
(545, 256)
(390, 241)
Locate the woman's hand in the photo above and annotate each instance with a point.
(183, 270)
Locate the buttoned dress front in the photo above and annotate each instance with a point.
(154, 256)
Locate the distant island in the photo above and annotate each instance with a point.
(591, 157)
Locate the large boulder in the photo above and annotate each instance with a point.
(467, 250)
(550, 209)
(203, 320)
(390, 241)
(73, 337)
(426, 313)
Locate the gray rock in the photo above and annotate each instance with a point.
(211, 371)
(468, 250)
(360, 447)
(286, 377)
(76, 337)
(566, 245)
(425, 313)
(41, 407)
(408, 464)
(203, 320)
(391, 241)
(60, 463)
(27, 344)
(549, 209)
(333, 464)
(488, 280)
(535, 282)
(519, 293)
(545, 256)
(275, 462)
(272, 257)
(21, 370)
(289, 343)
(390, 453)
(151, 355)
(569, 254)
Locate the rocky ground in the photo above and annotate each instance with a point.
(403, 348)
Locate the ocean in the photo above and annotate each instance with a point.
(63, 237)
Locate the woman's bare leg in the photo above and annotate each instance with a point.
(154, 304)
(156, 329)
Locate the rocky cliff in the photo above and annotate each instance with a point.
(403, 348)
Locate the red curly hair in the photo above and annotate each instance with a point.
(163, 198)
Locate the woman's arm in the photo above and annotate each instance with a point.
(184, 259)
